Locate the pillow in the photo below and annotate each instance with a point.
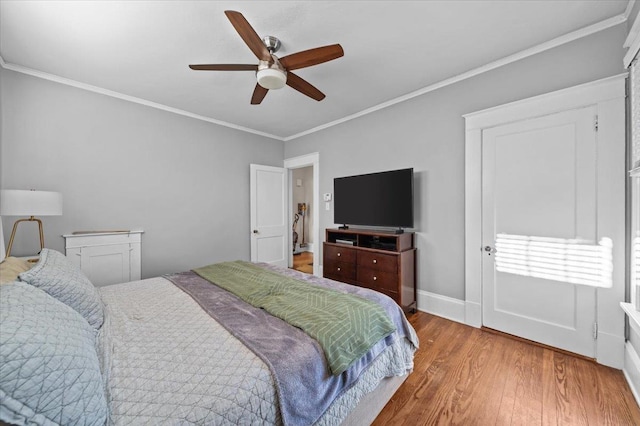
(49, 370)
(56, 275)
(11, 267)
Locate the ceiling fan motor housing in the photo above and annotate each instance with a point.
(272, 43)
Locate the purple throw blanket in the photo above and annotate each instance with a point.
(304, 384)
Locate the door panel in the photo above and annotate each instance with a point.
(508, 299)
(268, 215)
(269, 249)
(539, 209)
(108, 264)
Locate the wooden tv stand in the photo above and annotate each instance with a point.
(379, 260)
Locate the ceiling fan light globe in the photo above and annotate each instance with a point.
(271, 78)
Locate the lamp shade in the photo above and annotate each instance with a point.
(19, 202)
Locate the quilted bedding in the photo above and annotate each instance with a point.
(158, 356)
(344, 325)
(165, 361)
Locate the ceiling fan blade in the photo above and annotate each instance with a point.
(258, 94)
(304, 87)
(224, 67)
(248, 34)
(310, 57)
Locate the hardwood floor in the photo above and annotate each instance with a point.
(303, 262)
(467, 376)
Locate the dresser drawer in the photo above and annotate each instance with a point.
(377, 279)
(339, 254)
(340, 271)
(378, 261)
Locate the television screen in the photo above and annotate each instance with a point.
(376, 199)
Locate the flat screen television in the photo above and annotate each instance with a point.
(377, 199)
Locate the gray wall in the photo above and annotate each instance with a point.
(427, 133)
(121, 165)
(185, 182)
(633, 15)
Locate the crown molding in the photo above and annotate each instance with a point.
(627, 11)
(134, 99)
(558, 41)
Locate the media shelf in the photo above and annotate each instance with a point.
(379, 260)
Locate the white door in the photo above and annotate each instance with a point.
(269, 240)
(539, 213)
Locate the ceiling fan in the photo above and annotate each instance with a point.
(273, 72)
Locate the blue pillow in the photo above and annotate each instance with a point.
(56, 275)
(49, 368)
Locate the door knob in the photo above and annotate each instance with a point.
(255, 231)
(489, 250)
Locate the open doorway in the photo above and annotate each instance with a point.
(303, 212)
(302, 243)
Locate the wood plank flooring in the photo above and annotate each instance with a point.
(468, 376)
(303, 262)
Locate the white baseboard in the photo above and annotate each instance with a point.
(473, 314)
(308, 247)
(631, 370)
(436, 304)
(610, 350)
(442, 306)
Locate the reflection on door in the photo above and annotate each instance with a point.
(558, 259)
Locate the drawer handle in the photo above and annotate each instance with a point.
(339, 269)
(375, 278)
(375, 261)
(338, 254)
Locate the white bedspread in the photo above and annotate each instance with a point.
(166, 361)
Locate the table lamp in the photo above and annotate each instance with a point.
(18, 202)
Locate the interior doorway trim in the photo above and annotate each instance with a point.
(608, 95)
(307, 160)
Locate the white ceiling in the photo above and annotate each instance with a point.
(142, 49)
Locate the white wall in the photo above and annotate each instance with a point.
(427, 133)
(632, 363)
(121, 165)
(634, 339)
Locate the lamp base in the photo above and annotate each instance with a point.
(15, 228)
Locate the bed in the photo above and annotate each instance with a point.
(180, 349)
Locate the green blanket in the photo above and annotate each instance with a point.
(345, 326)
